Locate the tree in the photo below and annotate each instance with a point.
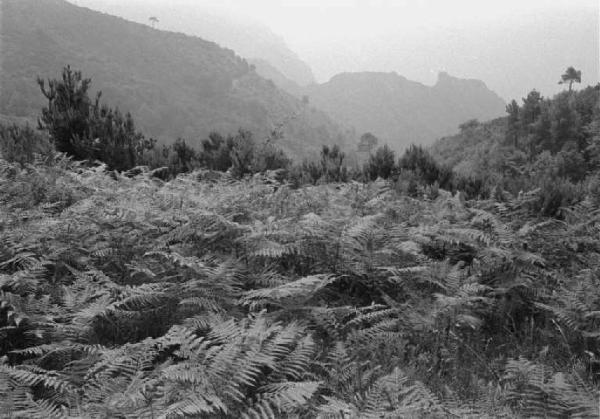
(21, 144)
(531, 107)
(419, 161)
(185, 157)
(216, 152)
(88, 130)
(153, 21)
(381, 164)
(367, 142)
(565, 125)
(512, 133)
(67, 114)
(112, 138)
(332, 164)
(242, 154)
(570, 76)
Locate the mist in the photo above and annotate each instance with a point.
(468, 39)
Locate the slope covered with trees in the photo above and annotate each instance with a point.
(546, 143)
(175, 85)
(248, 38)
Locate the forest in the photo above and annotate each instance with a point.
(140, 280)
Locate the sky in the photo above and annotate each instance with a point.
(307, 22)
(492, 40)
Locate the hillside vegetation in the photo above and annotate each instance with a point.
(237, 293)
(132, 297)
(249, 39)
(175, 85)
(546, 143)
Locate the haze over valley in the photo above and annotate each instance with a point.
(211, 90)
(418, 39)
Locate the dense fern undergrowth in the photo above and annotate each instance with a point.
(131, 297)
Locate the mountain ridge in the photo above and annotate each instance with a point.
(249, 39)
(400, 111)
(175, 85)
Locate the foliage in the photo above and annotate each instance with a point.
(419, 161)
(127, 296)
(570, 76)
(84, 129)
(332, 164)
(22, 144)
(381, 164)
(216, 152)
(545, 143)
(175, 85)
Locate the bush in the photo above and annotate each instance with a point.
(419, 161)
(333, 168)
(268, 157)
(407, 183)
(216, 152)
(381, 164)
(184, 158)
(21, 144)
(555, 194)
(242, 154)
(87, 130)
(113, 139)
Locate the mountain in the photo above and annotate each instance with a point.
(399, 111)
(248, 38)
(515, 46)
(173, 84)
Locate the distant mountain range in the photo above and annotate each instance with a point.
(173, 84)
(399, 111)
(177, 85)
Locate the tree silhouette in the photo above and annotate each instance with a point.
(571, 76)
(153, 21)
(367, 142)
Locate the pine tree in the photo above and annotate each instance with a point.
(67, 115)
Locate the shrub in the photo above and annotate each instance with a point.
(267, 156)
(381, 164)
(242, 154)
(332, 164)
(216, 152)
(557, 193)
(68, 112)
(184, 158)
(21, 144)
(87, 130)
(419, 161)
(113, 139)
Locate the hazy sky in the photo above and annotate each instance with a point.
(306, 22)
(493, 40)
